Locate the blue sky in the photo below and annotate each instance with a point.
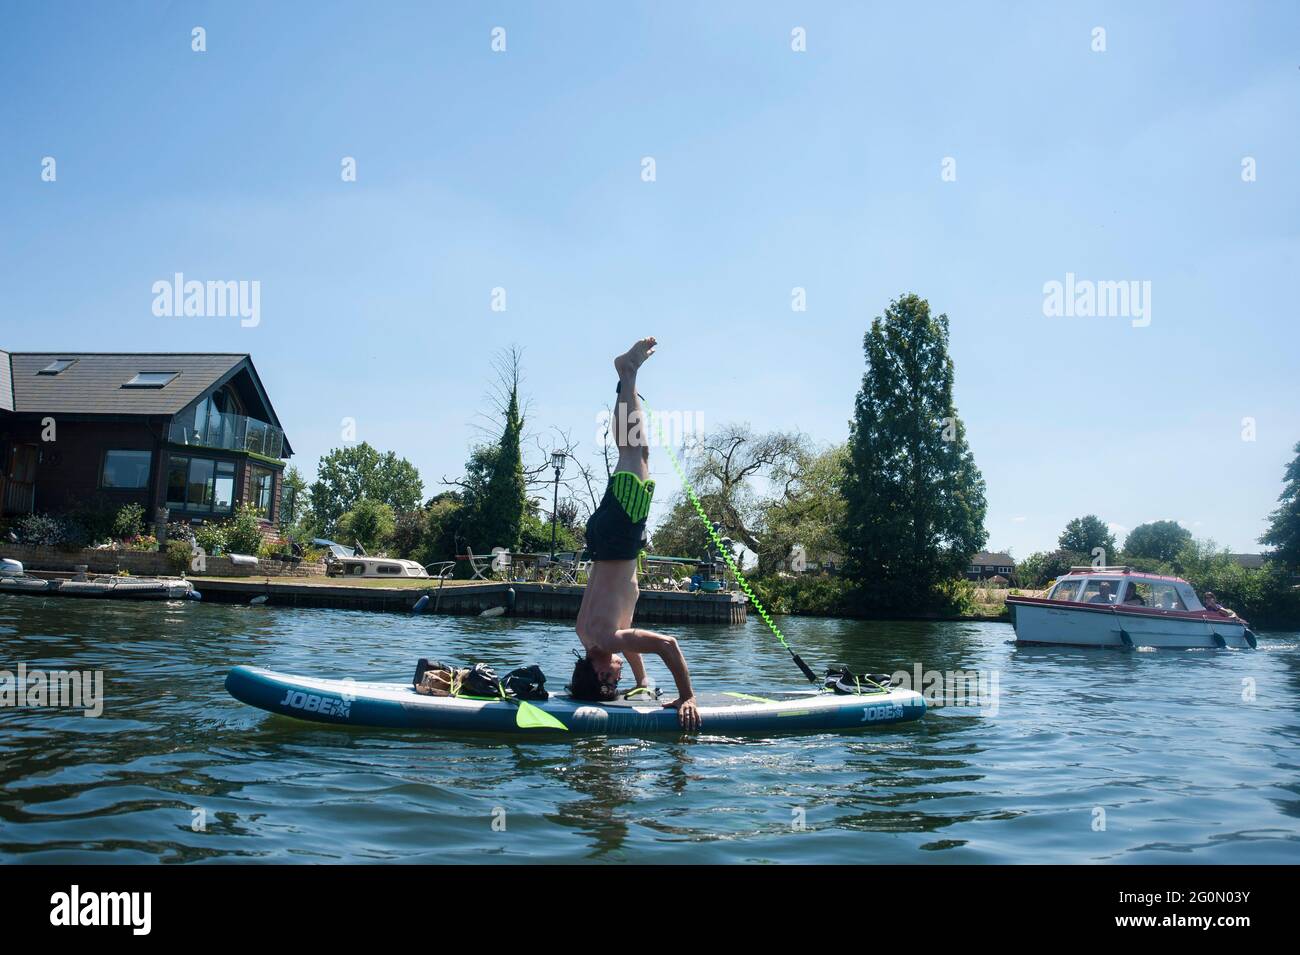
(775, 169)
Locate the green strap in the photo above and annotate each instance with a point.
(746, 696)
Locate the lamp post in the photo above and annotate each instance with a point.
(557, 462)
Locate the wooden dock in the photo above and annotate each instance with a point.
(547, 601)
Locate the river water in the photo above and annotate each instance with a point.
(1068, 756)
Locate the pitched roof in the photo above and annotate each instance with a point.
(994, 559)
(94, 382)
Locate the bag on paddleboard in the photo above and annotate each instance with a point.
(843, 680)
(480, 680)
(526, 683)
(438, 679)
(434, 678)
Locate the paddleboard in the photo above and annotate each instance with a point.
(357, 703)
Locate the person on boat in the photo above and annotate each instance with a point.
(615, 537)
(1212, 604)
(1133, 598)
(1105, 594)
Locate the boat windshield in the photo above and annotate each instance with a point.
(1159, 595)
(1099, 592)
(1066, 589)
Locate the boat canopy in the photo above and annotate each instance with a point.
(1127, 589)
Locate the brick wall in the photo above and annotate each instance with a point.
(150, 563)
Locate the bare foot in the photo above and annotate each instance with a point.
(628, 362)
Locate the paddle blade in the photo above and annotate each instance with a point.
(530, 717)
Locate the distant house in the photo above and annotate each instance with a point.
(986, 565)
(192, 433)
(1249, 561)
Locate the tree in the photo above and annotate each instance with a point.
(1083, 535)
(1037, 569)
(370, 523)
(495, 484)
(1158, 540)
(726, 468)
(810, 513)
(346, 475)
(681, 533)
(914, 499)
(1283, 533)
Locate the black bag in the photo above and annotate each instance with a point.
(526, 683)
(481, 680)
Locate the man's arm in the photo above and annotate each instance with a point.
(638, 667)
(666, 648)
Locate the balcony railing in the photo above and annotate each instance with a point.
(233, 432)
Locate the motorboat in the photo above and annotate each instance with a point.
(15, 580)
(1123, 607)
(366, 568)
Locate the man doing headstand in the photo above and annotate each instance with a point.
(615, 536)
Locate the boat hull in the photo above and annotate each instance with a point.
(1044, 623)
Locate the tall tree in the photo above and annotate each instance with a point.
(1083, 535)
(914, 499)
(1283, 533)
(1158, 540)
(346, 475)
(495, 485)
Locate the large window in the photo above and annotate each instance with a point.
(200, 484)
(126, 470)
(262, 490)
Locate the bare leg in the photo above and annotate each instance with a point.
(629, 423)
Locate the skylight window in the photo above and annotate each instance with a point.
(56, 366)
(151, 379)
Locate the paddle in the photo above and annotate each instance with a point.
(527, 716)
(531, 717)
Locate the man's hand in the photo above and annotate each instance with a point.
(688, 714)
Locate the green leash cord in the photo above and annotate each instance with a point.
(726, 553)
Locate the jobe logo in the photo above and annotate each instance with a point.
(884, 711)
(313, 703)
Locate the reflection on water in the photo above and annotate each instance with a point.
(1168, 750)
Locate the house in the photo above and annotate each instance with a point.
(986, 565)
(1248, 561)
(189, 436)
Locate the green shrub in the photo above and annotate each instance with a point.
(129, 521)
(41, 530)
(370, 522)
(178, 555)
(244, 531)
(211, 537)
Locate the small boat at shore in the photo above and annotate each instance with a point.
(1122, 607)
(15, 580)
(372, 568)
